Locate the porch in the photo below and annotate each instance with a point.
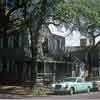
(51, 71)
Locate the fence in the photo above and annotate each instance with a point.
(45, 78)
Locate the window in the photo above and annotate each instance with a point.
(5, 42)
(29, 39)
(55, 44)
(45, 46)
(1, 66)
(20, 41)
(58, 43)
(16, 41)
(8, 65)
(10, 42)
(12, 66)
(1, 42)
(50, 44)
(79, 80)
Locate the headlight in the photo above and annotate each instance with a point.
(53, 85)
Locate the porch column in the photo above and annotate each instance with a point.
(36, 70)
(54, 76)
(44, 68)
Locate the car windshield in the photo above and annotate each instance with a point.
(69, 79)
(93, 79)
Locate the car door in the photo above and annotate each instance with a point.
(80, 85)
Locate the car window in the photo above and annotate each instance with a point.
(69, 79)
(79, 80)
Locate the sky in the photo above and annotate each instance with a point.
(72, 39)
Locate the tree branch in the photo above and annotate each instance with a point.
(15, 8)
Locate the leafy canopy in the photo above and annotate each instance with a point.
(83, 15)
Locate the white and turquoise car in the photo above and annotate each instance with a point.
(71, 85)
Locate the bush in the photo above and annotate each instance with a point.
(39, 91)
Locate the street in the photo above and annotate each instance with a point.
(92, 95)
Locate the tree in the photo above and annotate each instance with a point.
(86, 17)
(35, 14)
(74, 14)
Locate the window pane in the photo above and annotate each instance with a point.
(1, 42)
(10, 42)
(20, 41)
(8, 65)
(1, 66)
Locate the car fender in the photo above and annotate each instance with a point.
(71, 86)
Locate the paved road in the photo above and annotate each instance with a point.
(92, 95)
(10, 96)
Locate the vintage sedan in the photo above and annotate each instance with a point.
(71, 85)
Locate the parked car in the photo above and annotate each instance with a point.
(96, 83)
(71, 85)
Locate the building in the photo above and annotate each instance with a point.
(87, 54)
(51, 63)
(15, 53)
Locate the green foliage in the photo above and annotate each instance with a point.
(87, 8)
(84, 15)
(40, 91)
(66, 11)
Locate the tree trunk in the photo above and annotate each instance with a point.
(34, 27)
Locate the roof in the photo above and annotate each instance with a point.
(55, 31)
(98, 43)
(57, 35)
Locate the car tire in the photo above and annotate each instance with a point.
(88, 90)
(71, 91)
(99, 88)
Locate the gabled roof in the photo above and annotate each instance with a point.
(55, 31)
(98, 43)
